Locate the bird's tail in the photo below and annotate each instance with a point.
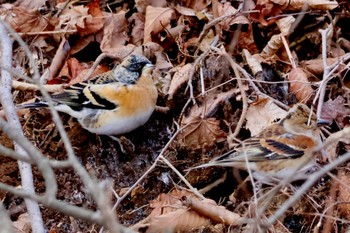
(225, 160)
(38, 104)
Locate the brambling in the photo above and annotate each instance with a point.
(278, 151)
(112, 103)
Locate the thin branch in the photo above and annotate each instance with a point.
(61, 206)
(97, 192)
(5, 223)
(9, 109)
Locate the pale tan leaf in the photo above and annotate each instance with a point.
(29, 4)
(136, 36)
(24, 20)
(94, 20)
(316, 66)
(274, 44)
(114, 35)
(180, 77)
(141, 5)
(263, 114)
(253, 63)
(312, 4)
(335, 110)
(225, 9)
(179, 220)
(23, 224)
(185, 11)
(285, 23)
(300, 85)
(208, 208)
(72, 17)
(157, 18)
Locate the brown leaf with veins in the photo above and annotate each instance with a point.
(336, 110)
(157, 18)
(94, 20)
(114, 32)
(169, 214)
(181, 76)
(24, 20)
(262, 114)
(202, 132)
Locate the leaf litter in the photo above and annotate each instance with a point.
(174, 36)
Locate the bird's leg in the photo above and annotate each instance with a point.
(123, 141)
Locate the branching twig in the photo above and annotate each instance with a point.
(9, 108)
(5, 223)
(97, 192)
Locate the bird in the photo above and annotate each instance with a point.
(112, 103)
(279, 150)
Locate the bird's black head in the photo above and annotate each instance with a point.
(135, 63)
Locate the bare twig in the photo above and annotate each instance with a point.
(241, 88)
(9, 108)
(57, 62)
(97, 192)
(61, 206)
(5, 223)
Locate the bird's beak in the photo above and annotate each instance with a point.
(150, 66)
(321, 122)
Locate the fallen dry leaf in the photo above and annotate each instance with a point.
(253, 63)
(181, 76)
(201, 133)
(93, 22)
(114, 35)
(157, 18)
(263, 114)
(315, 66)
(336, 110)
(208, 208)
(23, 224)
(300, 85)
(285, 24)
(24, 20)
(274, 44)
(182, 211)
(225, 9)
(179, 220)
(301, 4)
(136, 36)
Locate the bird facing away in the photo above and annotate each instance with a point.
(279, 150)
(112, 103)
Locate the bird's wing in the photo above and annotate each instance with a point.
(104, 78)
(85, 95)
(272, 144)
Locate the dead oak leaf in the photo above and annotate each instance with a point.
(114, 36)
(181, 76)
(336, 110)
(201, 132)
(94, 20)
(23, 20)
(263, 114)
(157, 18)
